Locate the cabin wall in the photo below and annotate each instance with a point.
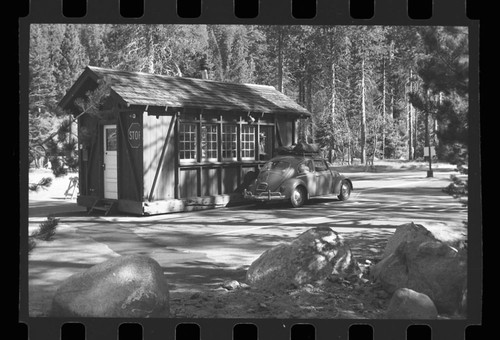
(286, 131)
(156, 137)
(90, 141)
(130, 179)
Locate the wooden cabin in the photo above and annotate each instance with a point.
(162, 144)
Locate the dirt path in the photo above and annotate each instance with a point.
(200, 251)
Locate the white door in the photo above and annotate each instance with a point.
(110, 162)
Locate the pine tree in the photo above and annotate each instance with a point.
(444, 90)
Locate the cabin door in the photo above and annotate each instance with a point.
(110, 162)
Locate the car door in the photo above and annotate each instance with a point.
(307, 175)
(324, 178)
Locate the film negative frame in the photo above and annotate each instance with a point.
(276, 12)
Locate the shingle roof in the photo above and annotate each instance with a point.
(137, 88)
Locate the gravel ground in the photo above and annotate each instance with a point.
(360, 299)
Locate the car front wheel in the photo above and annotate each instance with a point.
(345, 191)
(298, 197)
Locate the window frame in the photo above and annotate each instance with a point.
(212, 146)
(251, 142)
(193, 133)
(225, 142)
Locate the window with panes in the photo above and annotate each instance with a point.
(209, 142)
(187, 141)
(229, 142)
(247, 142)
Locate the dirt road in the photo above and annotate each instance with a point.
(201, 250)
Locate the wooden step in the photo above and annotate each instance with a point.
(105, 205)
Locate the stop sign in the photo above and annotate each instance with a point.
(134, 135)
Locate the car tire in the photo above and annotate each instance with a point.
(345, 191)
(298, 197)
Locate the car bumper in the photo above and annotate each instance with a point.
(264, 196)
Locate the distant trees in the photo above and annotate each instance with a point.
(443, 94)
(371, 89)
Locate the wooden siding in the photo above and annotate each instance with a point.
(230, 179)
(285, 130)
(210, 182)
(90, 179)
(188, 183)
(155, 131)
(130, 175)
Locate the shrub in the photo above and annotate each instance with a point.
(43, 183)
(31, 244)
(46, 230)
(458, 187)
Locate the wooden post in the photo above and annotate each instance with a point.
(177, 193)
(198, 137)
(219, 149)
(219, 138)
(198, 180)
(238, 141)
(257, 141)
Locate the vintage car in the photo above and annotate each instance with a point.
(297, 178)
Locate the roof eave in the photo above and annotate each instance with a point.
(65, 101)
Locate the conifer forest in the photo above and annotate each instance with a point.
(375, 92)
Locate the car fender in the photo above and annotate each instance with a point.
(338, 183)
(290, 184)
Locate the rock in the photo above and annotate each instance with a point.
(421, 262)
(316, 254)
(410, 232)
(195, 296)
(409, 304)
(127, 286)
(231, 284)
(244, 285)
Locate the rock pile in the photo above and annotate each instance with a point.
(415, 259)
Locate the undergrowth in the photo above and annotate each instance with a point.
(45, 232)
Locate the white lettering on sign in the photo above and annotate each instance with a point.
(134, 135)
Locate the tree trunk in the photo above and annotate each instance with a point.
(150, 50)
(415, 132)
(363, 112)
(333, 97)
(309, 107)
(333, 100)
(280, 59)
(383, 108)
(409, 119)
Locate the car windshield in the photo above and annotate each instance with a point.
(276, 165)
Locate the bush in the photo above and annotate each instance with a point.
(31, 244)
(43, 183)
(46, 230)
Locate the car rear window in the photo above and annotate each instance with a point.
(320, 165)
(276, 165)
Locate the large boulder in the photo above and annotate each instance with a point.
(317, 254)
(128, 286)
(415, 259)
(409, 233)
(409, 304)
